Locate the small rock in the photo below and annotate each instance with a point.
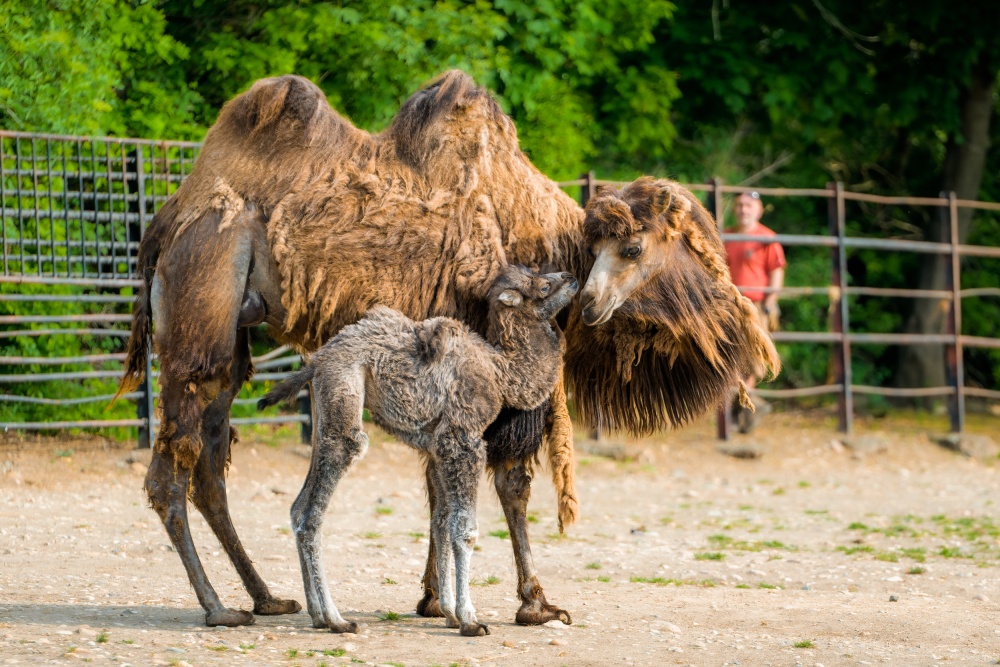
(893, 598)
(349, 647)
(980, 598)
(509, 644)
(278, 491)
(973, 445)
(866, 444)
(807, 587)
(557, 624)
(672, 628)
(174, 649)
(746, 450)
(676, 649)
(86, 631)
(558, 642)
(836, 446)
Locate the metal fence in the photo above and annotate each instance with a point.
(840, 334)
(73, 212)
(75, 208)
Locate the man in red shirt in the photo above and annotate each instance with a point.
(754, 264)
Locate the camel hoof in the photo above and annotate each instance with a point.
(429, 606)
(451, 623)
(474, 630)
(535, 614)
(230, 618)
(276, 607)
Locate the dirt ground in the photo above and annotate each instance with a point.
(811, 554)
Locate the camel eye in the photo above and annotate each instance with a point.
(544, 289)
(590, 250)
(631, 251)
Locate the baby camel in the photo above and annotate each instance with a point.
(435, 385)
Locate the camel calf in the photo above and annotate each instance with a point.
(435, 385)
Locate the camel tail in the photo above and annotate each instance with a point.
(137, 351)
(287, 388)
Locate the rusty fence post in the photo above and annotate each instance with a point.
(954, 357)
(839, 314)
(723, 414)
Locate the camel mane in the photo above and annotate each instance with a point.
(681, 341)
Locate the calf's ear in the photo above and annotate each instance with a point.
(662, 199)
(510, 297)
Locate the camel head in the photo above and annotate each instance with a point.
(519, 292)
(628, 243)
(660, 305)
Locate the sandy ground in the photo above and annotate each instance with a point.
(809, 555)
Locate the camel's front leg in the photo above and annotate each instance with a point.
(513, 485)
(429, 605)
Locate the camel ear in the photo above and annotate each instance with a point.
(662, 200)
(510, 297)
(603, 190)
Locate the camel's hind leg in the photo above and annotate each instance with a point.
(178, 447)
(338, 439)
(209, 483)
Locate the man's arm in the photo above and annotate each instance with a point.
(776, 279)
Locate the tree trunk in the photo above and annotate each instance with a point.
(923, 365)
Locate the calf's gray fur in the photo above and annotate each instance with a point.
(435, 385)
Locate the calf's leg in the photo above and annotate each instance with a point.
(338, 439)
(460, 460)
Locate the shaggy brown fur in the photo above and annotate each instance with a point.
(295, 217)
(684, 338)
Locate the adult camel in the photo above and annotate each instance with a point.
(294, 217)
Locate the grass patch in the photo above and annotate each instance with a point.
(490, 580)
(742, 585)
(815, 512)
(952, 552)
(887, 556)
(727, 542)
(389, 582)
(918, 554)
(220, 649)
(372, 536)
(383, 510)
(604, 579)
(334, 652)
(292, 653)
(711, 555)
(916, 570)
(102, 638)
(532, 517)
(390, 616)
(663, 581)
(768, 586)
(128, 641)
(805, 643)
(857, 525)
(416, 536)
(778, 492)
(285, 531)
(804, 484)
(502, 534)
(592, 566)
(861, 548)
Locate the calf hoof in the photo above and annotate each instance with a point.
(276, 607)
(474, 630)
(429, 606)
(538, 614)
(338, 628)
(229, 618)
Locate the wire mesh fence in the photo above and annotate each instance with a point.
(73, 212)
